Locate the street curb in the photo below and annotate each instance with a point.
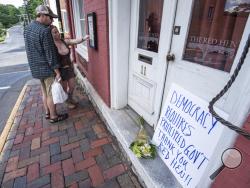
(11, 119)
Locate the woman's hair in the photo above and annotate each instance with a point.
(52, 29)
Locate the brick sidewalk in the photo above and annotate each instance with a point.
(78, 152)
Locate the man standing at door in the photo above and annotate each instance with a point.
(42, 58)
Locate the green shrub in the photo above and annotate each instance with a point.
(2, 32)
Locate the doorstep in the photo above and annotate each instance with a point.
(122, 124)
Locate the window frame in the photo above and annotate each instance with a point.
(81, 49)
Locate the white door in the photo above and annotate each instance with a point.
(147, 66)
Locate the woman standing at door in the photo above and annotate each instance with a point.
(67, 69)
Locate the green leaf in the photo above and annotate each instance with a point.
(143, 150)
(141, 120)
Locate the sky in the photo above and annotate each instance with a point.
(16, 3)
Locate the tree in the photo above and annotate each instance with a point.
(2, 32)
(32, 4)
(8, 15)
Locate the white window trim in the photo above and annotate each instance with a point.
(66, 30)
(81, 49)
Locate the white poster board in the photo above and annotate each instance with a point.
(186, 135)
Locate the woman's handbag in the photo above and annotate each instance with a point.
(58, 93)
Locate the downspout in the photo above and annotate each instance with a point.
(111, 76)
(71, 25)
(58, 8)
(69, 17)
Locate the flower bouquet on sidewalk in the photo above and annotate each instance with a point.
(141, 147)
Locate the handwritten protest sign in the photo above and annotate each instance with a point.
(186, 135)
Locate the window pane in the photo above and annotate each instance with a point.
(83, 32)
(82, 20)
(81, 10)
(215, 32)
(149, 24)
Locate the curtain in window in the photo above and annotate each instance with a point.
(150, 14)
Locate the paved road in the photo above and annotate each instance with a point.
(14, 71)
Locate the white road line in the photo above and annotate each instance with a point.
(5, 87)
(14, 72)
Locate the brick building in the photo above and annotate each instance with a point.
(138, 49)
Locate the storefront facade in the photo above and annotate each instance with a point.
(143, 47)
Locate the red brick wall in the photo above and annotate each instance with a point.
(239, 177)
(97, 69)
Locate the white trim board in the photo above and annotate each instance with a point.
(119, 34)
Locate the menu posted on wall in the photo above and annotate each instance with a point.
(186, 135)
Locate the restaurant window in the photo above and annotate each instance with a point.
(215, 32)
(150, 14)
(80, 26)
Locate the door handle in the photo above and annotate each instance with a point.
(141, 69)
(170, 57)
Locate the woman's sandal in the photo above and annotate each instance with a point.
(60, 117)
(47, 115)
